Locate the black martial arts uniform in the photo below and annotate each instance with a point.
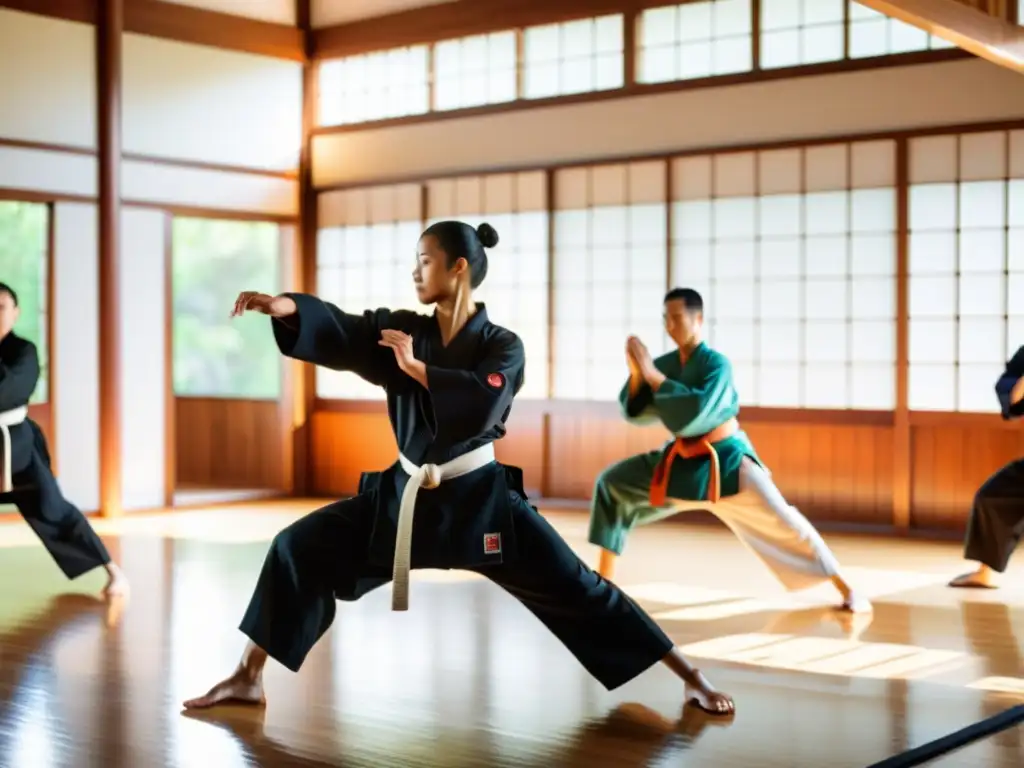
(997, 519)
(58, 523)
(480, 521)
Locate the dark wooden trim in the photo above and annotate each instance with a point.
(83, 11)
(182, 23)
(213, 213)
(608, 410)
(756, 146)
(954, 420)
(34, 196)
(170, 412)
(109, 37)
(903, 459)
(630, 88)
(432, 23)
(136, 157)
(51, 335)
(223, 398)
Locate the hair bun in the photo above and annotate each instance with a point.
(488, 235)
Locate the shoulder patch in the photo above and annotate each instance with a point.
(496, 380)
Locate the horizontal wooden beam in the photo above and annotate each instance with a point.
(445, 21)
(183, 23)
(984, 35)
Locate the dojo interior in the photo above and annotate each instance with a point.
(843, 184)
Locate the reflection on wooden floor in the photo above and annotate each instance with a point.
(468, 678)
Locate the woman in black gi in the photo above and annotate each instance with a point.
(450, 380)
(997, 517)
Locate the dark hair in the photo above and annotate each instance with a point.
(690, 298)
(460, 241)
(5, 288)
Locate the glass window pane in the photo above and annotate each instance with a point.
(24, 256)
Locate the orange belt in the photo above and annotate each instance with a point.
(688, 448)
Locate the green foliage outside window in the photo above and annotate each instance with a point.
(214, 355)
(23, 263)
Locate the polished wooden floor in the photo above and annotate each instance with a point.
(467, 678)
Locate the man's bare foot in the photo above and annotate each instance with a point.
(983, 578)
(117, 582)
(704, 695)
(240, 688)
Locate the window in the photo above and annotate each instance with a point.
(366, 251)
(796, 32)
(875, 34)
(794, 252)
(966, 267)
(610, 273)
(374, 86)
(215, 355)
(516, 288)
(573, 57)
(24, 256)
(693, 40)
(472, 71)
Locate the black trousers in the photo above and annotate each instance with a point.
(58, 523)
(322, 557)
(997, 518)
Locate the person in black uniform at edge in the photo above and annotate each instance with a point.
(25, 475)
(450, 380)
(997, 517)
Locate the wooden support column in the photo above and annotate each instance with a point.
(304, 394)
(902, 485)
(109, 26)
(968, 24)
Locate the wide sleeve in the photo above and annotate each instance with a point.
(1005, 384)
(18, 378)
(680, 405)
(469, 402)
(322, 334)
(638, 409)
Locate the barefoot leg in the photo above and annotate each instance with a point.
(852, 602)
(698, 689)
(607, 565)
(117, 582)
(243, 686)
(982, 578)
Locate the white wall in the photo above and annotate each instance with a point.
(47, 80)
(947, 93)
(276, 11)
(75, 313)
(144, 358)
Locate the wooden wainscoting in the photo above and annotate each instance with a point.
(836, 466)
(226, 443)
(42, 414)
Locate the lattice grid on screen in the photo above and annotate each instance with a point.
(794, 252)
(610, 273)
(573, 57)
(694, 40)
(476, 70)
(366, 252)
(516, 289)
(374, 86)
(966, 267)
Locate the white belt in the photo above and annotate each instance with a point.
(427, 476)
(9, 419)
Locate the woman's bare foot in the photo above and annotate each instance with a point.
(240, 688)
(852, 602)
(117, 582)
(983, 578)
(704, 695)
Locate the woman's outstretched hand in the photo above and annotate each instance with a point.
(254, 301)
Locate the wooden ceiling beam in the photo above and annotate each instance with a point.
(445, 21)
(962, 24)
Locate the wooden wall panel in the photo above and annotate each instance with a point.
(950, 462)
(222, 443)
(346, 445)
(42, 414)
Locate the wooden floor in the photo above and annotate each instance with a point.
(467, 678)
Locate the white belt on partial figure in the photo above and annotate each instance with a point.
(8, 419)
(427, 476)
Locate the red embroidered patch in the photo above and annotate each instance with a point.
(492, 543)
(496, 380)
